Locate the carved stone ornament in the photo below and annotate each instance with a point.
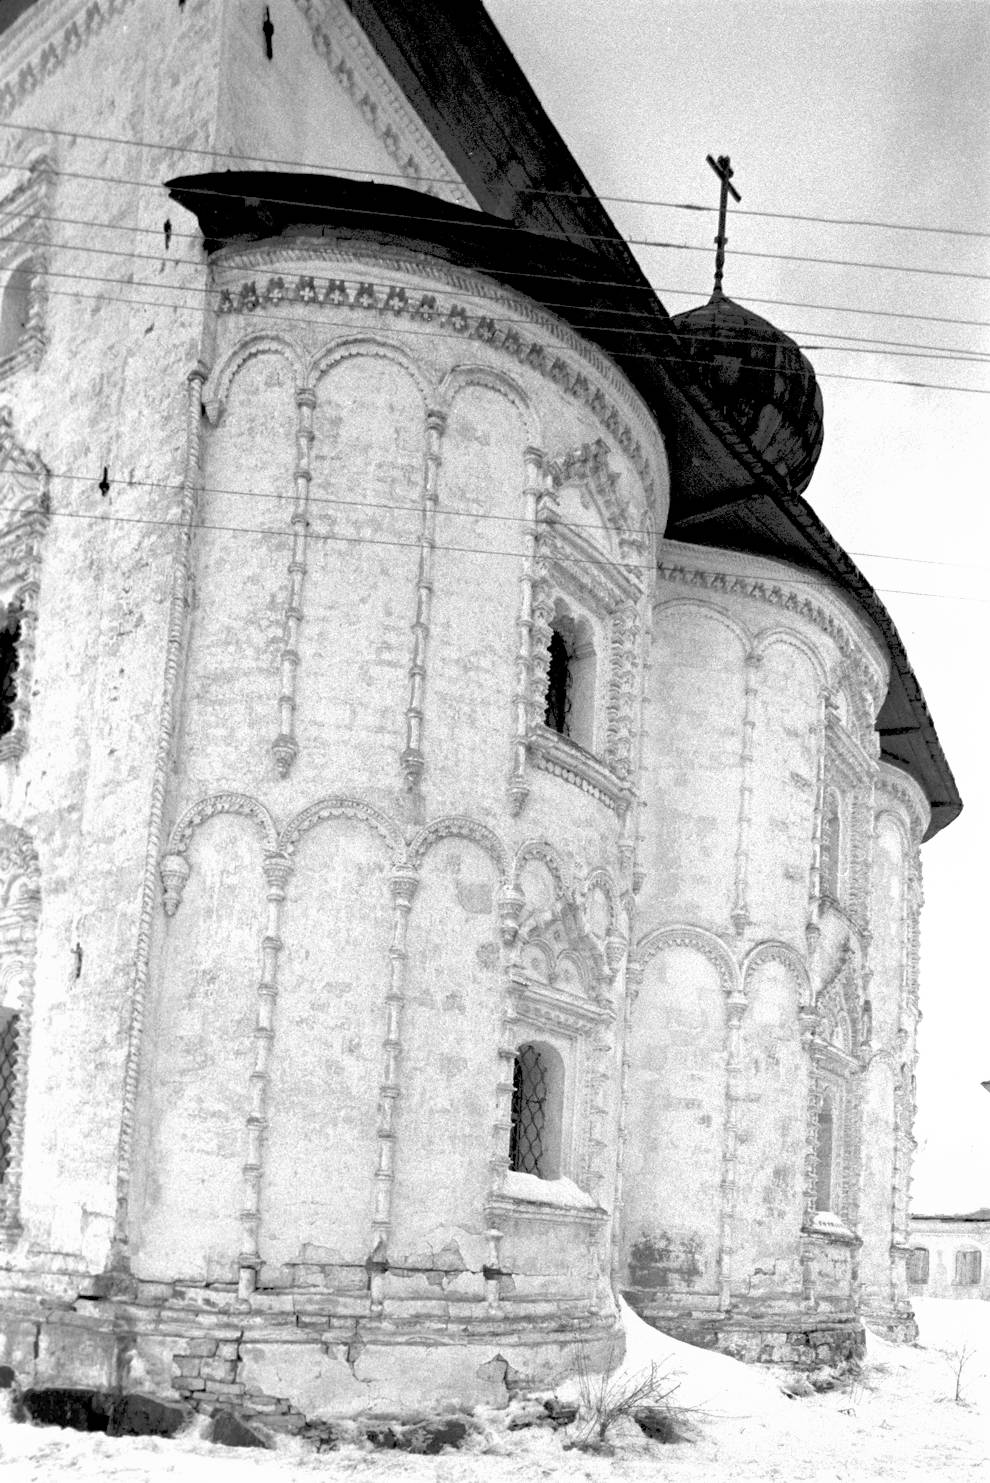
(44, 44)
(20, 908)
(25, 244)
(24, 515)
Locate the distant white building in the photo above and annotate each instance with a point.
(950, 1256)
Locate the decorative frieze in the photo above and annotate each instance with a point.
(41, 48)
(392, 304)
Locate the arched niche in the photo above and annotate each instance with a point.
(877, 1179)
(241, 557)
(693, 758)
(786, 744)
(359, 601)
(327, 1058)
(889, 924)
(771, 1114)
(675, 1127)
(471, 674)
(193, 1093)
(451, 1032)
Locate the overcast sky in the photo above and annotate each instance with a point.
(877, 111)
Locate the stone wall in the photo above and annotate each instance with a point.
(776, 989)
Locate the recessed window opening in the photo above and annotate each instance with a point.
(10, 638)
(969, 1265)
(917, 1264)
(826, 1137)
(537, 1111)
(570, 697)
(15, 309)
(8, 1082)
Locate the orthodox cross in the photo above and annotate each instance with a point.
(724, 172)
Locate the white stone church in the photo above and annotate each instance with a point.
(461, 809)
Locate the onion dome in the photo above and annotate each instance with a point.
(758, 380)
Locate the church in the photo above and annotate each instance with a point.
(461, 809)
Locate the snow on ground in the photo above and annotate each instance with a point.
(898, 1420)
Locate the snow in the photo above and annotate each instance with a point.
(563, 1193)
(897, 1420)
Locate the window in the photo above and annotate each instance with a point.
(535, 1134)
(826, 1130)
(969, 1265)
(8, 1083)
(15, 308)
(10, 634)
(917, 1265)
(570, 696)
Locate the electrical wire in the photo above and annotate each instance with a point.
(453, 335)
(123, 485)
(396, 329)
(557, 278)
(878, 346)
(572, 237)
(416, 545)
(541, 193)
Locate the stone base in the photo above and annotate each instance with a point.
(898, 1325)
(803, 1340)
(293, 1368)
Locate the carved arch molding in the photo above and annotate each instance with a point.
(20, 906)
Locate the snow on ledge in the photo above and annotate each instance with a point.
(562, 1193)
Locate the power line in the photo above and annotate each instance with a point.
(555, 277)
(415, 545)
(416, 509)
(878, 346)
(498, 226)
(395, 328)
(295, 164)
(867, 346)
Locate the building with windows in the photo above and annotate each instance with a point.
(950, 1256)
(461, 809)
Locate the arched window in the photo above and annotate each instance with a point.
(10, 636)
(15, 309)
(917, 1265)
(570, 697)
(826, 1147)
(969, 1266)
(537, 1111)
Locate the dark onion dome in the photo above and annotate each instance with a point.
(758, 380)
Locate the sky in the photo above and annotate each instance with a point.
(875, 110)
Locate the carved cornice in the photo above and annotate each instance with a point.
(43, 40)
(789, 594)
(359, 72)
(412, 310)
